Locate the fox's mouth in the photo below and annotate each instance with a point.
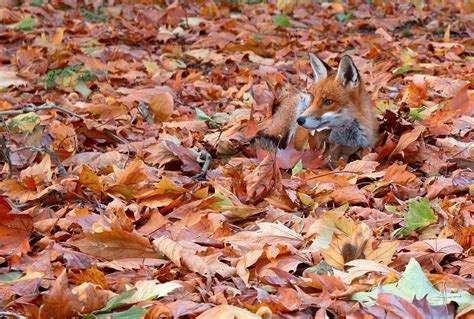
(324, 122)
(315, 124)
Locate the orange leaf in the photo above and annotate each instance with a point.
(406, 139)
(161, 106)
(60, 302)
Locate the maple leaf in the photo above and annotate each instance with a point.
(15, 232)
(414, 284)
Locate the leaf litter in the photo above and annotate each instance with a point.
(140, 194)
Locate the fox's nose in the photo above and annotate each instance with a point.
(301, 120)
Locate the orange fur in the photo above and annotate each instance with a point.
(343, 127)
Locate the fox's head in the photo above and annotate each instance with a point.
(334, 94)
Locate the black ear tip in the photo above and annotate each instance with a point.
(347, 57)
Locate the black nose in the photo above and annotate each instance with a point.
(301, 120)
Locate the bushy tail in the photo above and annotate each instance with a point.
(269, 142)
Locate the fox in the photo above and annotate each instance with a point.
(339, 115)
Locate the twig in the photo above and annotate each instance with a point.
(54, 157)
(205, 166)
(11, 314)
(185, 14)
(47, 106)
(57, 161)
(6, 155)
(116, 137)
(332, 173)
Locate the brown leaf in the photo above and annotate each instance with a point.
(184, 252)
(15, 232)
(406, 139)
(114, 244)
(398, 174)
(262, 179)
(162, 106)
(89, 179)
(60, 302)
(226, 312)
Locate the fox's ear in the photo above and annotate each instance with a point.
(320, 68)
(347, 72)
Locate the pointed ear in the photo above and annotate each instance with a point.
(347, 72)
(320, 68)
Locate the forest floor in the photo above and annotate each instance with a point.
(129, 186)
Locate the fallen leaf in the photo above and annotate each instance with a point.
(114, 244)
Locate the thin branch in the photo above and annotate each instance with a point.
(205, 166)
(33, 108)
(6, 155)
(62, 170)
(116, 137)
(11, 314)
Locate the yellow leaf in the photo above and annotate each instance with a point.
(305, 199)
(202, 193)
(89, 179)
(151, 66)
(58, 36)
(166, 185)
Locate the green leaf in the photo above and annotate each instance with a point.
(82, 88)
(151, 289)
(403, 69)
(24, 123)
(151, 66)
(392, 209)
(420, 214)
(415, 284)
(201, 116)
(297, 168)
(95, 16)
(417, 113)
(134, 312)
(382, 106)
(37, 3)
(281, 20)
(90, 50)
(118, 301)
(225, 200)
(26, 24)
(341, 17)
(10, 276)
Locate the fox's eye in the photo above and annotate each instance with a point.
(327, 101)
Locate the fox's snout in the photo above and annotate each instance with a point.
(327, 120)
(300, 120)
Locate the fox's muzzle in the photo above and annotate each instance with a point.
(301, 120)
(319, 123)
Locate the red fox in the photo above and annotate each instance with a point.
(340, 111)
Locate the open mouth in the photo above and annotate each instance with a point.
(319, 126)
